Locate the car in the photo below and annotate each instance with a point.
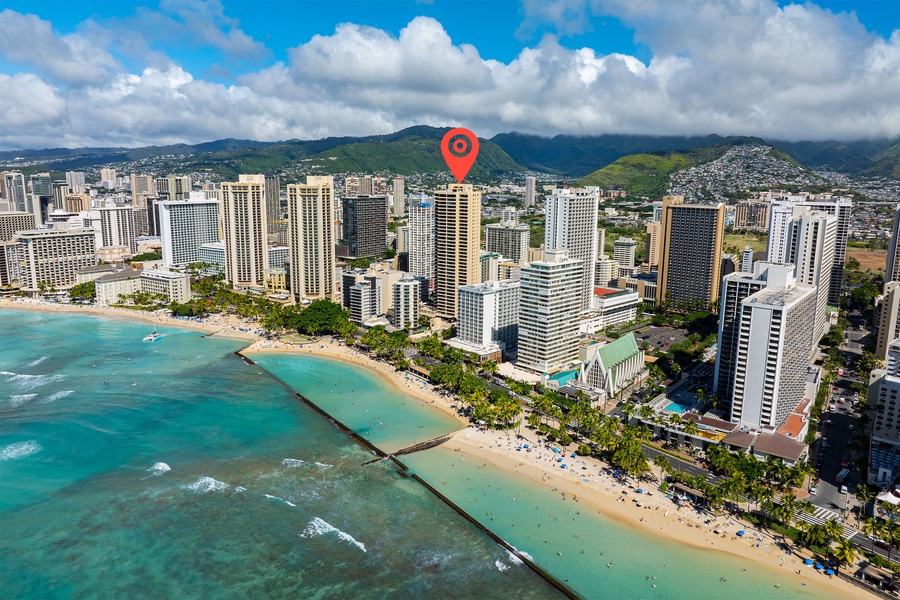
(883, 545)
(843, 489)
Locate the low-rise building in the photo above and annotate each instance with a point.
(176, 287)
(110, 287)
(612, 367)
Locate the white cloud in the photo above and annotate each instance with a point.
(733, 67)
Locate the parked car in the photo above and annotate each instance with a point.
(843, 489)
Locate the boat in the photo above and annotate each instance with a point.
(152, 337)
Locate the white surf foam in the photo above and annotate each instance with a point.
(240, 489)
(501, 566)
(293, 462)
(207, 484)
(323, 465)
(19, 450)
(289, 503)
(160, 468)
(35, 363)
(516, 559)
(319, 526)
(57, 396)
(29, 382)
(17, 401)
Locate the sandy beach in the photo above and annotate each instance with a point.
(589, 485)
(216, 325)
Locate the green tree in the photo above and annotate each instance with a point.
(845, 554)
(84, 291)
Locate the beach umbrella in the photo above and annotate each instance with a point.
(808, 562)
(640, 491)
(564, 465)
(741, 533)
(819, 566)
(829, 572)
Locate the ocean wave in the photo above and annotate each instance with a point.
(318, 527)
(290, 503)
(29, 382)
(294, 463)
(208, 484)
(19, 450)
(57, 396)
(35, 363)
(17, 401)
(515, 558)
(239, 489)
(160, 468)
(501, 566)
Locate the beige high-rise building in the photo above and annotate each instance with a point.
(11, 222)
(892, 264)
(244, 222)
(457, 242)
(73, 203)
(51, 258)
(311, 238)
(690, 254)
(141, 187)
(399, 197)
(174, 187)
(653, 243)
(887, 313)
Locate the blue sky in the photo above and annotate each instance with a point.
(130, 73)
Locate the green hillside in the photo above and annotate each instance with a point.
(648, 174)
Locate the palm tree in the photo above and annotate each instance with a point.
(629, 410)
(845, 554)
(690, 428)
(662, 461)
(833, 531)
(646, 413)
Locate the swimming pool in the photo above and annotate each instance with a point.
(676, 408)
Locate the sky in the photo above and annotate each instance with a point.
(141, 72)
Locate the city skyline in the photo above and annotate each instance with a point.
(123, 75)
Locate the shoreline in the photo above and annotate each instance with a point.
(659, 515)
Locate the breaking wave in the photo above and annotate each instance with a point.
(318, 527)
(160, 468)
(29, 382)
(19, 450)
(17, 401)
(207, 484)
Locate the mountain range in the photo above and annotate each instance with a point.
(416, 150)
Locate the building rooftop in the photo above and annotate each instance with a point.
(619, 350)
(601, 292)
(704, 422)
(741, 439)
(128, 273)
(780, 446)
(777, 297)
(163, 274)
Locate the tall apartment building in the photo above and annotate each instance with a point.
(690, 254)
(311, 237)
(549, 312)
(887, 315)
(812, 251)
(53, 257)
(751, 214)
(11, 222)
(529, 191)
(623, 252)
(117, 227)
(244, 225)
(509, 240)
(184, 227)
(406, 292)
(41, 184)
(782, 216)
(892, 265)
(747, 260)
(75, 181)
(606, 269)
(141, 187)
(108, 178)
(457, 243)
(884, 443)
(14, 193)
(653, 242)
(773, 350)
(736, 288)
(399, 197)
(10, 264)
(174, 187)
(273, 203)
(365, 225)
(571, 225)
(488, 320)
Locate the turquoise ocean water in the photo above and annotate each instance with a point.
(175, 469)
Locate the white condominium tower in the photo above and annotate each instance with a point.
(549, 312)
(787, 209)
(773, 350)
(184, 227)
(458, 243)
(892, 265)
(529, 191)
(421, 245)
(509, 239)
(311, 238)
(572, 226)
(244, 222)
(117, 227)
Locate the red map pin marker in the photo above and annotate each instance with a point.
(459, 147)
